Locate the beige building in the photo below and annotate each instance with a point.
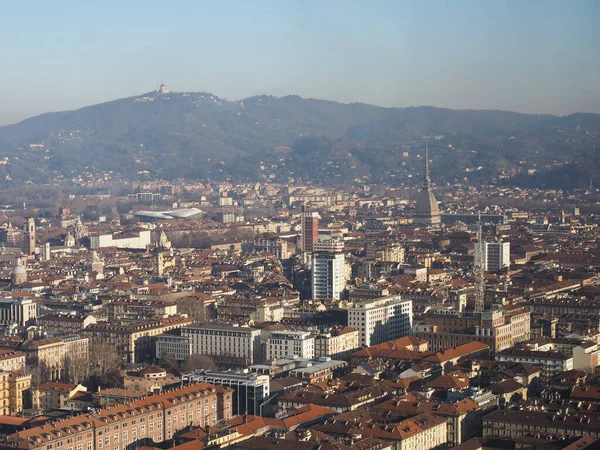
(19, 384)
(64, 323)
(156, 418)
(12, 389)
(337, 343)
(12, 361)
(134, 342)
(52, 353)
(54, 395)
(500, 329)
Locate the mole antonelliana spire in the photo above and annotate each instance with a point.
(426, 209)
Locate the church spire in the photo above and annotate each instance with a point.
(427, 181)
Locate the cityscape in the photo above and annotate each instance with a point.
(183, 271)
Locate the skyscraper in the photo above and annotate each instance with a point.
(328, 275)
(309, 223)
(427, 210)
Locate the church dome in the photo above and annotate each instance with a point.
(19, 270)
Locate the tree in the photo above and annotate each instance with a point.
(76, 370)
(105, 359)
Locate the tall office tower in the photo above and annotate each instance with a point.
(328, 275)
(427, 210)
(382, 319)
(495, 255)
(29, 236)
(309, 222)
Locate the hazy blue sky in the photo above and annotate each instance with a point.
(524, 55)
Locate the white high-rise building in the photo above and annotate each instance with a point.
(382, 319)
(328, 275)
(496, 255)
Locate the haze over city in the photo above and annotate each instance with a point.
(534, 57)
(307, 225)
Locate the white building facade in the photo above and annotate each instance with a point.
(496, 255)
(140, 241)
(224, 341)
(290, 343)
(381, 320)
(328, 275)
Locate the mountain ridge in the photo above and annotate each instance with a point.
(199, 135)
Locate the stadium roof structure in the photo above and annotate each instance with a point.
(182, 213)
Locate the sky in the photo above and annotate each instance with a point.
(533, 56)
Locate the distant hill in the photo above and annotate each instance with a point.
(202, 136)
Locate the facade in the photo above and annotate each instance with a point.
(500, 329)
(54, 395)
(496, 255)
(511, 424)
(150, 419)
(173, 346)
(385, 251)
(133, 309)
(12, 361)
(290, 343)
(328, 246)
(275, 246)
(12, 390)
(337, 343)
(586, 356)
(228, 342)
(21, 311)
(134, 342)
(64, 323)
(550, 363)
(250, 390)
(139, 240)
(53, 353)
(381, 320)
(328, 275)
(309, 229)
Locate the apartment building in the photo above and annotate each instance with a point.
(550, 362)
(52, 353)
(54, 395)
(12, 360)
(511, 424)
(64, 323)
(134, 309)
(12, 390)
(145, 421)
(134, 342)
(337, 343)
(290, 343)
(230, 343)
(19, 385)
(500, 329)
(381, 320)
(496, 255)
